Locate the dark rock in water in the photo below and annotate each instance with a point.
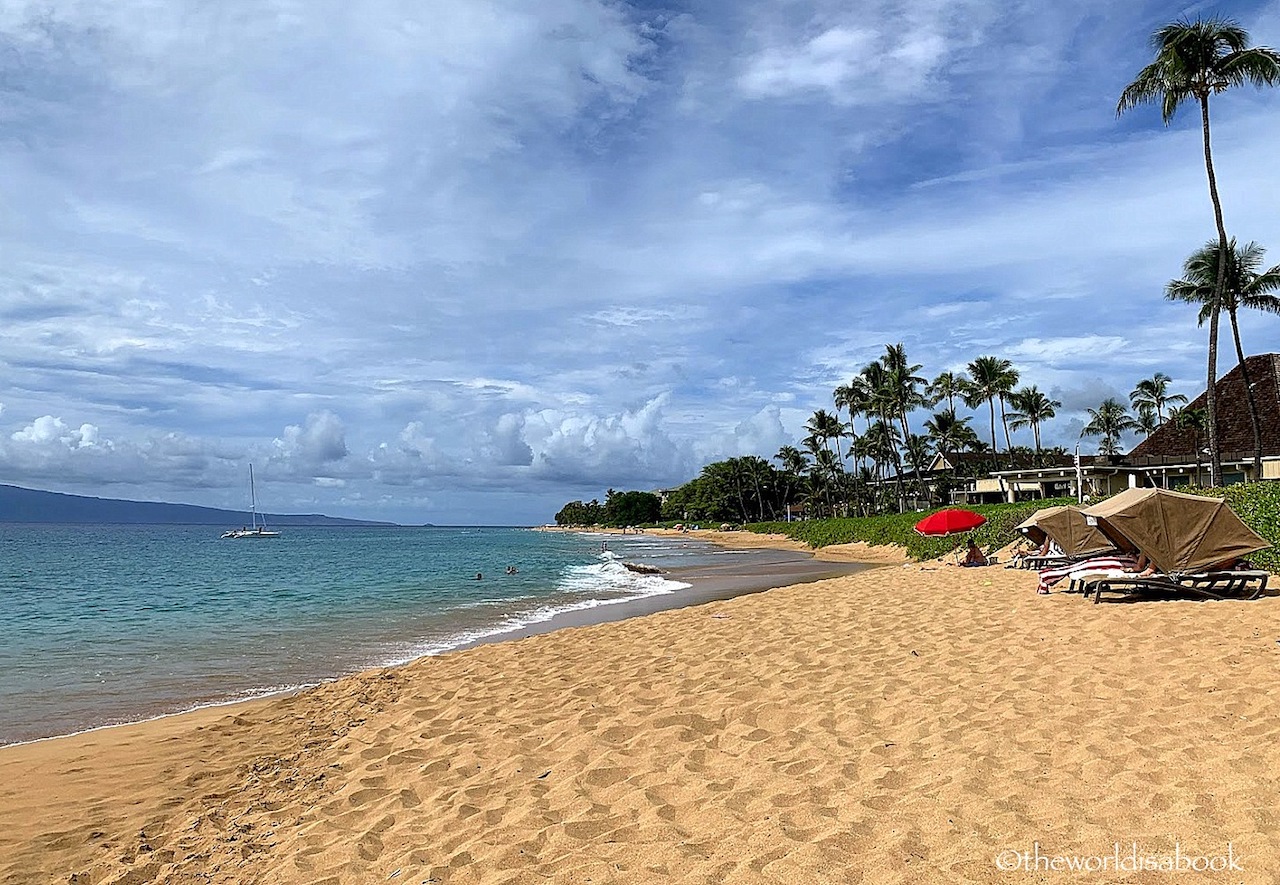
(642, 569)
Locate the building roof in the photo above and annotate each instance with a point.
(1235, 430)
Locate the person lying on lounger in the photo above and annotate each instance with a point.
(1117, 563)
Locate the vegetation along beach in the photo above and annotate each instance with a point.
(612, 442)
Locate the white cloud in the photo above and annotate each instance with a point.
(321, 439)
(47, 430)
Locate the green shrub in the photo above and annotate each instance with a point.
(1258, 504)
(899, 528)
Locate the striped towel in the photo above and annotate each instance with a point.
(1051, 576)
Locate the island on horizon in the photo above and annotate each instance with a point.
(20, 505)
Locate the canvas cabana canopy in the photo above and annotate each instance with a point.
(1179, 533)
(1067, 527)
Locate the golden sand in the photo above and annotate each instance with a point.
(896, 725)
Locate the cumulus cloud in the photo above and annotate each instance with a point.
(47, 430)
(630, 446)
(320, 440)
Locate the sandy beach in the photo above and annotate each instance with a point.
(894, 725)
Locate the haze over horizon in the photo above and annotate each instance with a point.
(465, 264)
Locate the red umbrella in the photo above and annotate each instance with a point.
(949, 522)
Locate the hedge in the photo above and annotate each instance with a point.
(899, 529)
(1257, 503)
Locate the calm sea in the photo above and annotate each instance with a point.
(108, 624)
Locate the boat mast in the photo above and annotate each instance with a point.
(253, 501)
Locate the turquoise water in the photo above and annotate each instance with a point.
(107, 624)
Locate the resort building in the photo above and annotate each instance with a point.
(1174, 455)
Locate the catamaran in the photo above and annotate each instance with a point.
(254, 530)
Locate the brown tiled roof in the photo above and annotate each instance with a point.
(1235, 431)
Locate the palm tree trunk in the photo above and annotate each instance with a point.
(1004, 419)
(995, 461)
(1248, 392)
(1211, 398)
(906, 437)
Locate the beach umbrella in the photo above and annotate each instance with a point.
(1067, 527)
(949, 522)
(1178, 532)
(1031, 525)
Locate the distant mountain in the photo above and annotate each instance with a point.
(28, 505)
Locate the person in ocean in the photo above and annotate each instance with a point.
(479, 576)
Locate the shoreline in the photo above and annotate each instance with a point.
(909, 724)
(706, 586)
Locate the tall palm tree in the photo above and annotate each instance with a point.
(825, 427)
(1197, 59)
(1153, 394)
(879, 384)
(848, 397)
(948, 386)
(1244, 284)
(1031, 408)
(1109, 421)
(903, 391)
(990, 381)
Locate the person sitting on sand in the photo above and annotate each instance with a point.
(973, 556)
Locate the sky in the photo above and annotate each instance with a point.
(461, 262)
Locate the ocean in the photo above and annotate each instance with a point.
(101, 625)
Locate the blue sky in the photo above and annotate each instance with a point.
(466, 261)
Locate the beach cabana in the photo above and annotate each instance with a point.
(1179, 533)
(1067, 527)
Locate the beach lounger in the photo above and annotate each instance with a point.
(1204, 585)
(1070, 571)
(1083, 581)
(1039, 563)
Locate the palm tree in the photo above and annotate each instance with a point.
(825, 427)
(1153, 394)
(902, 391)
(1109, 421)
(1147, 419)
(948, 386)
(879, 385)
(1244, 284)
(794, 464)
(1196, 60)
(1031, 407)
(848, 397)
(993, 378)
(1191, 419)
(949, 433)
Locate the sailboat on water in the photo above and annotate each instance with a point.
(255, 530)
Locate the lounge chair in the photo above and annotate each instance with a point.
(1248, 584)
(1071, 571)
(1039, 563)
